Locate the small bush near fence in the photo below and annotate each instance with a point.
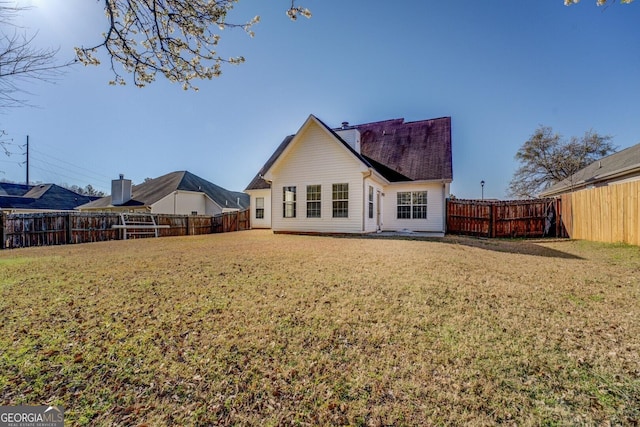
(59, 228)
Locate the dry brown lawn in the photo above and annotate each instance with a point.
(252, 328)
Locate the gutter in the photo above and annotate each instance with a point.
(592, 181)
(619, 172)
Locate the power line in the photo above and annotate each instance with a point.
(76, 173)
(58, 174)
(71, 164)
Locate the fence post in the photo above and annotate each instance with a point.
(68, 223)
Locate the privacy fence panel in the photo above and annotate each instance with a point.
(231, 221)
(59, 228)
(92, 227)
(469, 217)
(605, 214)
(34, 230)
(519, 218)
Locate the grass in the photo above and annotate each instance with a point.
(253, 328)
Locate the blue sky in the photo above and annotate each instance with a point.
(499, 69)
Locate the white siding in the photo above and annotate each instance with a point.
(435, 221)
(317, 158)
(212, 207)
(260, 222)
(186, 202)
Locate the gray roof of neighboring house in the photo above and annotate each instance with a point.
(42, 196)
(153, 190)
(399, 151)
(618, 165)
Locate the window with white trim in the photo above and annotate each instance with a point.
(340, 196)
(259, 207)
(289, 202)
(314, 201)
(412, 205)
(370, 202)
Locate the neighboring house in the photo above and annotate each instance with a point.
(623, 166)
(22, 198)
(387, 175)
(180, 193)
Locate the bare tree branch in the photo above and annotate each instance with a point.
(20, 62)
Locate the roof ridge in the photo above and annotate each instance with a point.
(429, 120)
(400, 120)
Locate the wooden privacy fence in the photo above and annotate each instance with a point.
(605, 214)
(59, 228)
(519, 218)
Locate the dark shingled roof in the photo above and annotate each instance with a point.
(43, 196)
(417, 150)
(625, 162)
(150, 192)
(399, 151)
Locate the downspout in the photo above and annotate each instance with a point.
(444, 207)
(175, 196)
(365, 200)
(271, 202)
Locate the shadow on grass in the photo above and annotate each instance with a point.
(513, 246)
(525, 247)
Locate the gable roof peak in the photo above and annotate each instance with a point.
(399, 150)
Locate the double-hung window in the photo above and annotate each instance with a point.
(419, 205)
(314, 201)
(370, 202)
(340, 200)
(259, 207)
(289, 202)
(412, 205)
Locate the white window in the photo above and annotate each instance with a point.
(370, 202)
(289, 202)
(259, 207)
(314, 201)
(412, 205)
(340, 200)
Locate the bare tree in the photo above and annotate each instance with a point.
(546, 158)
(20, 61)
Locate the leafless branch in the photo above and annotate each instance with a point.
(21, 62)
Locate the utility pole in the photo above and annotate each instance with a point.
(27, 162)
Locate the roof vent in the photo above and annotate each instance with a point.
(345, 125)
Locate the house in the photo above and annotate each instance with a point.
(383, 176)
(623, 166)
(181, 193)
(22, 198)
